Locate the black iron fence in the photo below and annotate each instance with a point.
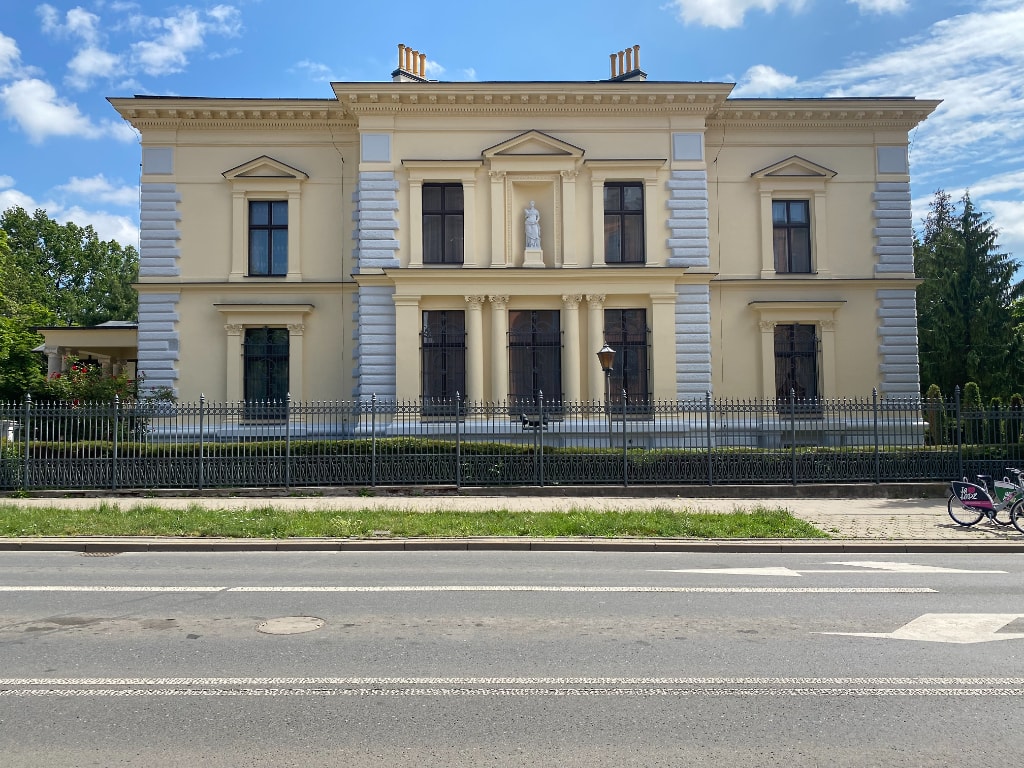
(202, 445)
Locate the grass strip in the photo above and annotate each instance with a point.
(110, 519)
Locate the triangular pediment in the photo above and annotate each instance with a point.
(794, 166)
(533, 143)
(264, 167)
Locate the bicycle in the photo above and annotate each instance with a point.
(970, 502)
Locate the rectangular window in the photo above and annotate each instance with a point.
(265, 388)
(534, 359)
(626, 331)
(623, 222)
(268, 238)
(791, 224)
(796, 365)
(442, 224)
(443, 349)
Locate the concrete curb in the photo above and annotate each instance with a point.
(100, 545)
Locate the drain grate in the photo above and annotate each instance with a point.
(99, 554)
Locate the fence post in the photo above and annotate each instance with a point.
(113, 452)
(707, 418)
(874, 410)
(792, 431)
(959, 433)
(625, 455)
(539, 437)
(287, 441)
(28, 436)
(458, 442)
(202, 448)
(373, 440)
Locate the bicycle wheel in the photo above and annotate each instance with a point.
(965, 516)
(1017, 515)
(1003, 516)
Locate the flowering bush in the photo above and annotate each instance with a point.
(83, 382)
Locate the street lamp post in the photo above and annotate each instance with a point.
(606, 356)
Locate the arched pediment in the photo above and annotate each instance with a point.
(264, 167)
(794, 166)
(533, 143)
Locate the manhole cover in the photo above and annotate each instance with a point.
(290, 625)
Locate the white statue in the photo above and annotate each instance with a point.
(532, 226)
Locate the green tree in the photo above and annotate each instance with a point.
(21, 369)
(66, 268)
(55, 274)
(966, 327)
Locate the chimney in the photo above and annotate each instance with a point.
(626, 65)
(412, 66)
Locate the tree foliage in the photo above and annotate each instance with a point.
(966, 327)
(81, 279)
(55, 274)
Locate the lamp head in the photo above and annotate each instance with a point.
(607, 357)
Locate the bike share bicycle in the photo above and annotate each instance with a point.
(970, 502)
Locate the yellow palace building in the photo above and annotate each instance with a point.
(414, 239)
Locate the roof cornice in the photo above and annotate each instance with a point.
(200, 112)
(601, 97)
(824, 113)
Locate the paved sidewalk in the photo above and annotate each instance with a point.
(862, 524)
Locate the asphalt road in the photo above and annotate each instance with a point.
(511, 658)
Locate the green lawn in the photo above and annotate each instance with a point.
(151, 519)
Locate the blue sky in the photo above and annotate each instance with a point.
(63, 148)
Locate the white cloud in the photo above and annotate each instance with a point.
(315, 71)
(762, 80)
(881, 6)
(109, 226)
(10, 56)
(35, 106)
(181, 35)
(100, 189)
(10, 198)
(91, 63)
(726, 14)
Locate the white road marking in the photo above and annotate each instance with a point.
(959, 628)
(864, 566)
(482, 588)
(512, 687)
(907, 567)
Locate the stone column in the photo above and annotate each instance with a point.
(295, 361)
(570, 246)
(499, 348)
(408, 325)
(597, 206)
(663, 346)
(595, 337)
(234, 391)
(415, 223)
(768, 359)
(498, 256)
(54, 360)
(474, 348)
(571, 362)
(470, 248)
(829, 384)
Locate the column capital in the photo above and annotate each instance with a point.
(572, 300)
(595, 299)
(296, 329)
(234, 329)
(475, 302)
(499, 301)
(767, 326)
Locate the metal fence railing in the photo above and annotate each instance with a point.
(203, 445)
